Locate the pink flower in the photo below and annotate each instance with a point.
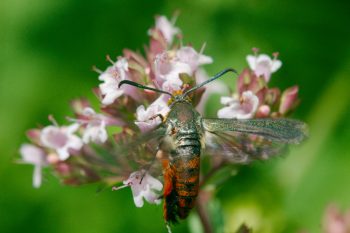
(190, 56)
(95, 130)
(170, 64)
(263, 65)
(243, 108)
(166, 28)
(94, 124)
(34, 136)
(147, 119)
(143, 186)
(167, 71)
(36, 156)
(336, 222)
(248, 81)
(61, 139)
(111, 78)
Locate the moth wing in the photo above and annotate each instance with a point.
(241, 148)
(243, 141)
(134, 153)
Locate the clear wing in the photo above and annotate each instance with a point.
(140, 152)
(242, 141)
(130, 153)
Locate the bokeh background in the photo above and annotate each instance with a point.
(47, 49)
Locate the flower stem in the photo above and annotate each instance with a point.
(204, 215)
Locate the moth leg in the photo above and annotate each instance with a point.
(158, 115)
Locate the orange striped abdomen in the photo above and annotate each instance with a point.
(186, 164)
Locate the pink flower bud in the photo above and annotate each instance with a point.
(263, 111)
(244, 80)
(34, 136)
(289, 100)
(272, 95)
(63, 169)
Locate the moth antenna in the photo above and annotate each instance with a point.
(131, 83)
(218, 75)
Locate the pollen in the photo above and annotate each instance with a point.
(175, 93)
(178, 92)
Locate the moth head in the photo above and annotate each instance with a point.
(178, 96)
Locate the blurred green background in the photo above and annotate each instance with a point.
(47, 49)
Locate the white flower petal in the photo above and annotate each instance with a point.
(144, 186)
(276, 64)
(111, 78)
(63, 153)
(147, 126)
(95, 126)
(141, 113)
(263, 58)
(53, 137)
(157, 201)
(151, 197)
(180, 67)
(169, 65)
(251, 59)
(172, 84)
(153, 182)
(166, 28)
(203, 59)
(104, 76)
(32, 154)
(75, 142)
(111, 96)
(37, 176)
(146, 118)
(226, 112)
(263, 65)
(225, 100)
(190, 56)
(72, 128)
(240, 109)
(61, 139)
(102, 133)
(138, 200)
(89, 111)
(122, 64)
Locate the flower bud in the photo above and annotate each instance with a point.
(289, 100)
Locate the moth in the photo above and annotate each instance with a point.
(184, 135)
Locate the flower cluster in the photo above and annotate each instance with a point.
(254, 99)
(90, 148)
(336, 222)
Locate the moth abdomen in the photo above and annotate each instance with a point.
(187, 164)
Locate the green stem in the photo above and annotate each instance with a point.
(203, 215)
